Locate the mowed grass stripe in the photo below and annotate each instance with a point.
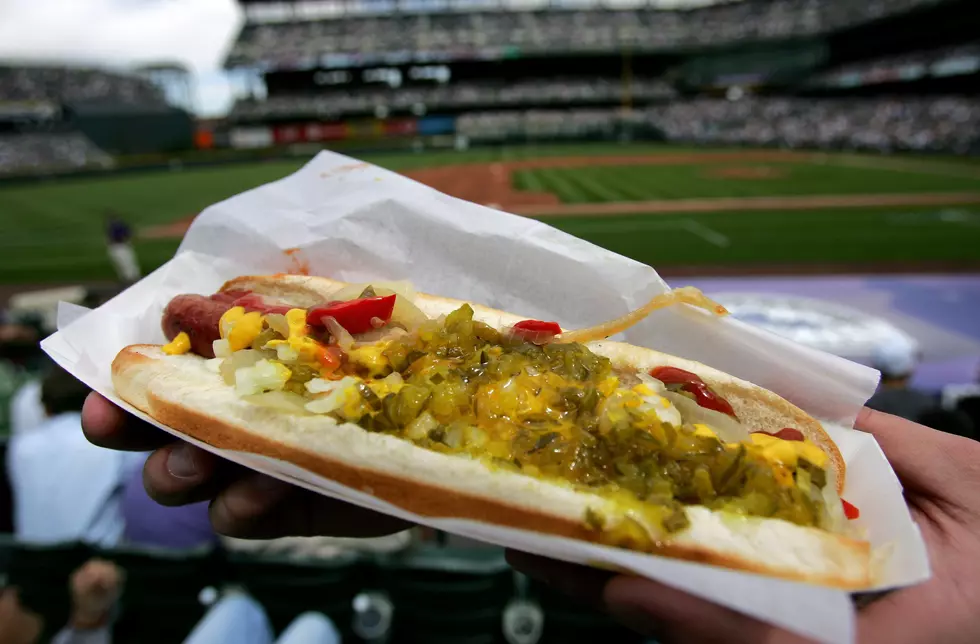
(783, 179)
(766, 237)
(556, 182)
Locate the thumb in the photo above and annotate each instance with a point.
(672, 615)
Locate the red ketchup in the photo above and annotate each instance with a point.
(692, 384)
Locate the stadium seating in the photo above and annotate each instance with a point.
(287, 587)
(924, 124)
(948, 123)
(447, 595)
(287, 43)
(71, 85)
(49, 152)
(41, 573)
(533, 92)
(161, 598)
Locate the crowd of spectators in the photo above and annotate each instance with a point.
(944, 61)
(420, 99)
(70, 85)
(950, 124)
(49, 152)
(926, 124)
(538, 124)
(557, 30)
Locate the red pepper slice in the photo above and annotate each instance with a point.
(355, 315)
(536, 331)
(691, 383)
(850, 511)
(787, 434)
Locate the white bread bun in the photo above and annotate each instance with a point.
(181, 392)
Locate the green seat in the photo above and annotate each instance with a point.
(160, 601)
(287, 587)
(447, 595)
(566, 620)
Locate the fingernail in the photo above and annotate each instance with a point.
(182, 462)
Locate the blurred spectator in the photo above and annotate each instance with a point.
(65, 488)
(26, 409)
(69, 84)
(943, 123)
(119, 241)
(951, 422)
(543, 31)
(95, 588)
(333, 103)
(18, 624)
(95, 591)
(147, 523)
(49, 152)
(896, 360)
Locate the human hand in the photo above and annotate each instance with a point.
(18, 625)
(244, 504)
(95, 587)
(941, 476)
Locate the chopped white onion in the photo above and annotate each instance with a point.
(651, 382)
(727, 428)
(340, 335)
(286, 353)
(213, 365)
(240, 359)
(421, 426)
(279, 400)
(394, 379)
(277, 322)
(264, 375)
(221, 348)
(833, 511)
(407, 314)
(377, 335)
(334, 397)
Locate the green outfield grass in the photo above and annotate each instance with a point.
(53, 229)
(840, 235)
(600, 184)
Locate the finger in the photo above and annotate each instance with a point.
(671, 615)
(106, 425)
(181, 473)
(261, 507)
(578, 582)
(923, 458)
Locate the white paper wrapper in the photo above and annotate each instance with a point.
(356, 222)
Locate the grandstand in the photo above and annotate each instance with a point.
(56, 118)
(444, 73)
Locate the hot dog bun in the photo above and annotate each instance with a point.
(181, 392)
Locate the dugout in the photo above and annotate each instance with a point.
(133, 129)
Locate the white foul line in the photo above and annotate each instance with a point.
(707, 234)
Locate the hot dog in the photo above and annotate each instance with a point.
(450, 409)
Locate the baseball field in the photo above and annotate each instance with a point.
(682, 210)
